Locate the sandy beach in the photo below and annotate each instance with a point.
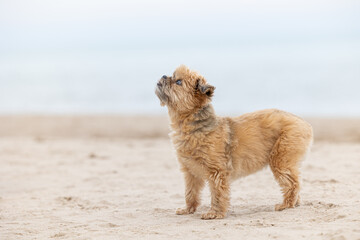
(117, 177)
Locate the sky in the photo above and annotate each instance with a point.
(73, 56)
(41, 25)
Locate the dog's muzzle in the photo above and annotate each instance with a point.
(162, 81)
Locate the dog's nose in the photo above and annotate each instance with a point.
(164, 77)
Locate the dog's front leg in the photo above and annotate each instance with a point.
(220, 196)
(193, 187)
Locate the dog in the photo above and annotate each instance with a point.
(219, 150)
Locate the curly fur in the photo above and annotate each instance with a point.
(221, 149)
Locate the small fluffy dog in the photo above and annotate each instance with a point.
(221, 149)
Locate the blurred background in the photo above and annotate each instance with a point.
(104, 57)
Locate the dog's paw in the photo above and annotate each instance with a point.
(184, 211)
(212, 215)
(297, 202)
(282, 206)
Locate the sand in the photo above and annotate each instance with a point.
(116, 177)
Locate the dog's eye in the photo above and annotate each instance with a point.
(178, 82)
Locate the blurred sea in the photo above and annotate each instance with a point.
(311, 78)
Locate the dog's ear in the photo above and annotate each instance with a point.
(206, 89)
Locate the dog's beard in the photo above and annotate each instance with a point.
(161, 95)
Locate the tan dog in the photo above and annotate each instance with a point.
(221, 149)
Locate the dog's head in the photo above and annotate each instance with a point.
(184, 91)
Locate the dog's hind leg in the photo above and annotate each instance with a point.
(285, 158)
(288, 180)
